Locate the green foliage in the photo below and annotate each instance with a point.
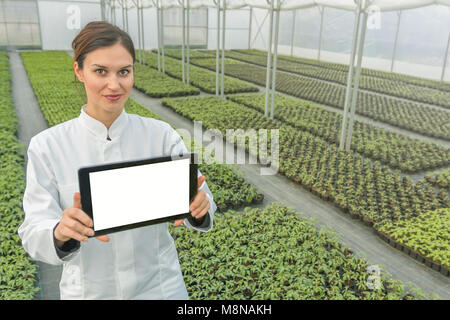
(157, 85)
(440, 180)
(439, 85)
(401, 113)
(17, 269)
(392, 149)
(428, 234)
(199, 77)
(272, 253)
(370, 192)
(393, 87)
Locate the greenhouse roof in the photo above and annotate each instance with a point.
(381, 5)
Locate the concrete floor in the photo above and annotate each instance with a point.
(354, 234)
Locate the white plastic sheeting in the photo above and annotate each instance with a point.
(381, 5)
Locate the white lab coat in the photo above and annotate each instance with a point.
(136, 264)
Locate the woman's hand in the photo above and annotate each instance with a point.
(75, 224)
(199, 206)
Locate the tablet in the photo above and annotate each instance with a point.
(126, 195)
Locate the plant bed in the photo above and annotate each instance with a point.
(272, 253)
(393, 149)
(158, 85)
(428, 233)
(18, 271)
(199, 77)
(323, 168)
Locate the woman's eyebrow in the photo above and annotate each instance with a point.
(107, 67)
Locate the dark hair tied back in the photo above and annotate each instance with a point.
(98, 34)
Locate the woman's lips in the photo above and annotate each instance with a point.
(113, 97)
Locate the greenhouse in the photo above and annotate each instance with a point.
(322, 129)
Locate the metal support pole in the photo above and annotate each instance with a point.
(394, 52)
(321, 9)
(142, 33)
(275, 52)
(269, 61)
(183, 22)
(102, 9)
(126, 18)
(217, 47)
(110, 13)
(188, 9)
(250, 27)
(207, 28)
(113, 7)
(123, 14)
(350, 76)
(39, 24)
(356, 84)
(294, 13)
(158, 29)
(222, 89)
(445, 58)
(139, 29)
(161, 20)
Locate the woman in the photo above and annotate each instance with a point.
(137, 264)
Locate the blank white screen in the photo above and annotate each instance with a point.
(140, 193)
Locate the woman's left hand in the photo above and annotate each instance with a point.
(199, 206)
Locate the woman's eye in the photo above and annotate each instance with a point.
(101, 71)
(124, 72)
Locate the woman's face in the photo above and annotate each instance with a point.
(108, 78)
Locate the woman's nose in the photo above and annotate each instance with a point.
(113, 83)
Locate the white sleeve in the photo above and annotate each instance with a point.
(41, 208)
(176, 147)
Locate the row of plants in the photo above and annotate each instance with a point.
(177, 53)
(400, 113)
(275, 253)
(441, 180)
(17, 270)
(367, 190)
(381, 85)
(439, 85)
(199, 77)
(227, 185)
(393, 149)
(426, 238)
(157, 85)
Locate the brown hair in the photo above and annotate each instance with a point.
(98, 34)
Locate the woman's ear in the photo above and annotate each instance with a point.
(78, 72)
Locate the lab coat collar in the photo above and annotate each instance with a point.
(99, 129)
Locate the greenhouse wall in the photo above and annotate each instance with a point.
(237, 29)
(61, 21)
(420, 47)
(19, 24)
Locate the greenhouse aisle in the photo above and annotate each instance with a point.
(360, 238)
(31, 122)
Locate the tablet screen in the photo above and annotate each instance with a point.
(135, 194)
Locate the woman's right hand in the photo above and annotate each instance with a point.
(75, 224)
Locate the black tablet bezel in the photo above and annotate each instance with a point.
(85, 189)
